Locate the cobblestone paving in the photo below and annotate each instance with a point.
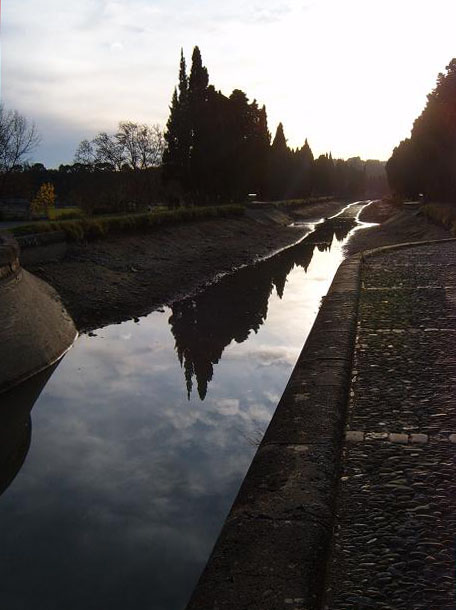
(394, 543)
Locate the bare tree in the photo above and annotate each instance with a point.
(127, 137)
(18, 138)
(108, 150)
(151, 145)
(137, 145)
(85, 153)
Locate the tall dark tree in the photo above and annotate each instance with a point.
(280, 160)
(425, 162)
(323, 177)
(217, 147)
(178, 135)
(198, 98)
(303, 161)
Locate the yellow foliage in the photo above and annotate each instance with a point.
(45, 199)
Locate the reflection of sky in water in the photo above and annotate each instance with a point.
(128, 481)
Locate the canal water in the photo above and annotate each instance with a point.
(116, 485)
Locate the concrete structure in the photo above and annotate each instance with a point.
(35, 329)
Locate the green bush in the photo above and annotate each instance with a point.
(97, 227)
(65, 213)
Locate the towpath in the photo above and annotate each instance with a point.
(395, 522)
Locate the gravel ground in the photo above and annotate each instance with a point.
(394, 536)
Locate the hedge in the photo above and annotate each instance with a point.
(301, 202)
(94, 228)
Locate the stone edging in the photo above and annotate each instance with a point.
(408, 244)
(273, 548)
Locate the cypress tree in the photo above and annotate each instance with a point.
(425, 162)
(178, 135)
(279, 144)
(199, 116)
(280, 166)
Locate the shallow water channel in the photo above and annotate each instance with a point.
(116, 485)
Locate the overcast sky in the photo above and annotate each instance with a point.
(350, 75)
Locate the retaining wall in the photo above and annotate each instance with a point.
(42, 247)
(35, 328)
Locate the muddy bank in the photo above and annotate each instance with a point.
(397, 225)
(116, 279)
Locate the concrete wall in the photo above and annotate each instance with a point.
(35, 329)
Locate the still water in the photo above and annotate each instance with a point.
(116, 485)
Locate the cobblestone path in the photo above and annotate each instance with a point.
(394, 543)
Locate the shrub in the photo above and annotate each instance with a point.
(44, 200)
(95, 228)
(65, 213)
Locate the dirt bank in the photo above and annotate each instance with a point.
(398, 225)
(119, 278)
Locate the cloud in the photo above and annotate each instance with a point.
(319, 66)
(265, 355)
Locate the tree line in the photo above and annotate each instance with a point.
(425, 163)
(215, 149)
(94, 188)
(219, 148)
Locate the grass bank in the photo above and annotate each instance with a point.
(443, 214)
(296, 203)
(95, 228)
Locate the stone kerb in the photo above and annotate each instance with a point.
(274, 545)
(410, 244)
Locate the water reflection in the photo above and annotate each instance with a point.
(16, 425)
(238, 304)
(128, 479)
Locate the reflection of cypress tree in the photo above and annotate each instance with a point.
(304, 255)
(279, 283)
(342, 230)
(229, 310)
(325, 232)
(234, 307)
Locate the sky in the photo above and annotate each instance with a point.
(349, 75)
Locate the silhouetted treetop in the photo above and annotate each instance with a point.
(219, 149)
(425, 162)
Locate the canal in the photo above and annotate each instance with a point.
(116, 485)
